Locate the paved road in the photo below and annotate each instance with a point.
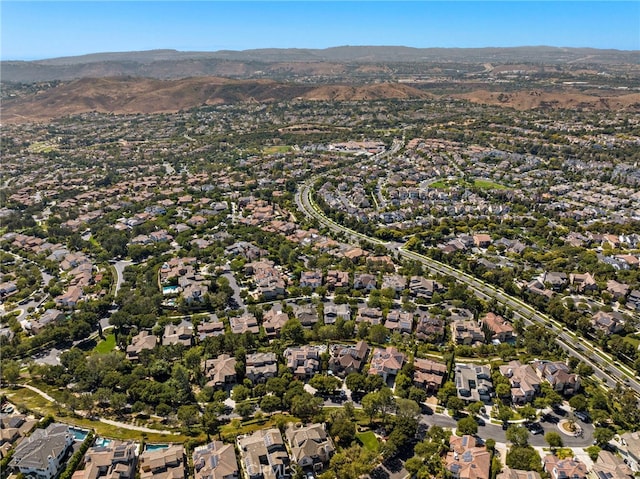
(604, 366)
(234, 286)
(119, 266)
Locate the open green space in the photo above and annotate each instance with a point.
(270, 150)
(107, 345)
(369, 440)
(477, 183)
(25, 399)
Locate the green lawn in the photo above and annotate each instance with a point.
(107, 345)
(488, 185)
(482, 184)
(25, 398)
(369, 440)
(270, 150)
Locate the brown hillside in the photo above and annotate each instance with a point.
(142, 95)
(565, 99)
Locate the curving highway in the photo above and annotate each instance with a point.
(605, 367)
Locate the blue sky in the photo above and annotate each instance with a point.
(37, 30)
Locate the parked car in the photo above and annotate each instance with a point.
(534, 428)
(583, 416)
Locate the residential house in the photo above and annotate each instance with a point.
(307, 314)
(117, 460)
(610, 466)
(180, 334)
(243, 324)
(168, 463)
(401, 321)
(13, 428)
(261, 366)
(141, 341)
(395, 282)
(557, 374)
(466, 459)
(312, 279)
(386, 362)
(421, 287)
(42, 454)
(220, 371)
(7, 289)
(617, 290)
(210, 328)
(215, 461)
(337, 279)
(347, 359)
(429, 328)
(629, 449)
(524, 381)
(500, 328)
(608, 322)
(50, 316)
(429, 374)
(334, 311)
(633, 301)
(263, 455)
(70, 298)
(482, 240)
(473, 382)
(364, 281)
(269, 281)
(467, 332)
(555, 280)
(369, 315)
(569, 468)
(304, 361)
(583, 282)
(273, 320)
(311, 446)
(508, 473)
(356, 254)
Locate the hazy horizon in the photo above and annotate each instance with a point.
(51, 29)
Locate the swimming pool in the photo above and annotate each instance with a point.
(156, 447)
(78, 434)
(170, 289)
(102, 442)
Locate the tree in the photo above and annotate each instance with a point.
(518, 435)
(455, 405)
(270, 403)
(378, 334)
(351, 463)
(292, 331)
(602, 435)
(188, 415)
(370, 405)
(553, 439)
(356, 382)
(579, 402)
(305, 406)
(525, 458)
(528, 412)
(467, 425)
(244, 409)
(11, 371)
(343, 430)
(406, 408)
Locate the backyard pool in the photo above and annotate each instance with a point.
(170, 289)
(156, 447)
(102, 442)
(78, 434)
